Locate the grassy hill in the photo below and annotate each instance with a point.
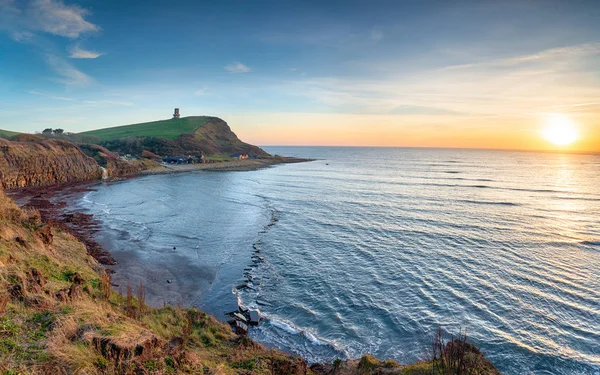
(7, 134)
(186, 136)
(169, 129)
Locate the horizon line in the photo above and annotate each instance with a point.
(579, 152)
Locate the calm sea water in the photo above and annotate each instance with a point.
(371, 249)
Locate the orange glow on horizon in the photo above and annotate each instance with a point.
(416, 131)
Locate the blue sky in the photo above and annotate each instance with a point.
(277, 71)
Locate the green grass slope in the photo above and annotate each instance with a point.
(169, 129)
(6, 134)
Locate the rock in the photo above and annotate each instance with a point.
(77, 279)
(46, 235)
(35, 281)
(62, 295)
(176, 344)
(254, 317)
(240, 328)
(75, 291)
(240, 317)
(122, 353)
(38, 302)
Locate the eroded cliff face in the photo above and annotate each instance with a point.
(44, 162)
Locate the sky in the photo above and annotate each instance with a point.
(475, 74)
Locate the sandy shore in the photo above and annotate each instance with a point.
(227, 166)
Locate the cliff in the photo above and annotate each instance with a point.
(34, 161)
(59, 315)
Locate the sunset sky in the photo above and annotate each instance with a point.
(484, 74)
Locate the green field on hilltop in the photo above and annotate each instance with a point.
(169, 129)
(7, 133)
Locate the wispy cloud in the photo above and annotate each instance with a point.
(201, 92)
(68, 73)
(549, 55)
(237, 67)
(516, 86)
(24, 17)
(574, 105)
(97, 103)
(40, 93)
(76, 52)
(87, 103)
(26, 21)
(55, 17)
(21, 36)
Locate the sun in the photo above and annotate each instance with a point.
(560, 130)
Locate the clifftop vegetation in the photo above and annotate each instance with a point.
(168, 129)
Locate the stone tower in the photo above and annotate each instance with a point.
(176, 114)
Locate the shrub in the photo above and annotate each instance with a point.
(170, 362)
(367, 364)
(244, 365)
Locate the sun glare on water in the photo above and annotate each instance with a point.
(560, 130)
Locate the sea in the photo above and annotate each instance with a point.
(371, 250)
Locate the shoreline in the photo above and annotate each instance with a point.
(50, 200)
(245, 165)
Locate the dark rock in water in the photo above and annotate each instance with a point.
(243, 309)
(263, 303)
(254, 317)
(240, 317)
(169, 281)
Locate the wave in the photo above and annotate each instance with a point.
(288, 336)
(294, 330)
(489, 202)
(590, 243)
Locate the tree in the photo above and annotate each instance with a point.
(58, 131)
(47, 131)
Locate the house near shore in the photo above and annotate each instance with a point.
(240, 156)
